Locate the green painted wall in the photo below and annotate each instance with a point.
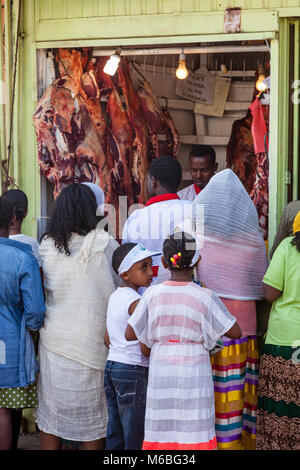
(66, 23)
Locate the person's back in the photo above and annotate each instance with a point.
(180, 322)
(120, 350)
(284, 275)
(75, 315)
(21, 311)
(78, 282)
(163, 212)
(278, 415)
(20, 306)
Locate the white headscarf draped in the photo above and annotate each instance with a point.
(234, 258)
(99, 195)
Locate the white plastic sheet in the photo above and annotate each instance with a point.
(234, 258)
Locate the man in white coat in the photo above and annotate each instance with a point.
(202, 167)
(163, 212)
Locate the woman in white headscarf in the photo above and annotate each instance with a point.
(234, 261)
(76, 256)
(99, 195)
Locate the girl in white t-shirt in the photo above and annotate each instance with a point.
(126, 371)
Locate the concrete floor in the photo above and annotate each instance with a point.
(29, 442)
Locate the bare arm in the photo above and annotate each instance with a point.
(270, 293)
(129, 333)
(106, 339)
(235, 331)
(145, 350)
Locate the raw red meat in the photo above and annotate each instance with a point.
(251, 168)
(119, 141)
(173, 140)
(69, 147)
(139, 166)
(158, 122)
(240, 154)
(153, 116)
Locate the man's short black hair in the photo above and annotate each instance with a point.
(6, 213)
(167, 170)
(202, 151)
(119, 254)
(19, 201)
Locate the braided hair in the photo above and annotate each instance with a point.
(19, 201)
(74, 211)
(179, 243)
(120, 253)
(296, 241)
(6, 213)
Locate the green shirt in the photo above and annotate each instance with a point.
(284, 274)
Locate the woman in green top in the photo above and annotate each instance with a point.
(278, 415)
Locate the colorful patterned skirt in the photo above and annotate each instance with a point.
(235, 375)
(278, 414)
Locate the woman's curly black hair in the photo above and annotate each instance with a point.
(74, 211)
(6, 213)
(179, 242)
(296, 241)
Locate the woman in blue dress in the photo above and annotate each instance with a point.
(21, 311)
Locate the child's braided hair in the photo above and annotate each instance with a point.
(179, 250)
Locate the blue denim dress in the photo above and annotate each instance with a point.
(22, 309)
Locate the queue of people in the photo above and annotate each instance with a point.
(150, 344)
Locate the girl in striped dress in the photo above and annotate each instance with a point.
(179, 321)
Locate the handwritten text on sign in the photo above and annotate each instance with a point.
(197, 87)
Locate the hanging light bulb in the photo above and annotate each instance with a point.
(181, 71)
(260, 84)
(112, 64)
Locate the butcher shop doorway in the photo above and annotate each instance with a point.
(233, 75)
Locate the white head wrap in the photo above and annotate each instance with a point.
(99, 195)
(234, 258)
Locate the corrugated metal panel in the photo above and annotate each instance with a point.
(55, 9)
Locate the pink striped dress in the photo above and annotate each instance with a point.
(180, 322)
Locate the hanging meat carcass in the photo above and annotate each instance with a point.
(250, 163)
(134, 112)
(69, 147)
(119, 139)
(260, 194)
(157, 122)
(172, 144)
(240, 156)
